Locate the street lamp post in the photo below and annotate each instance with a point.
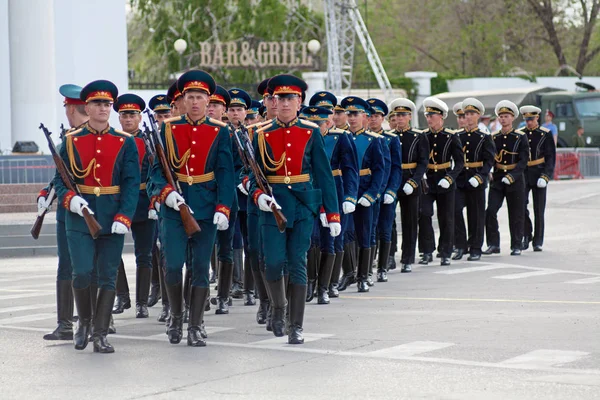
(180, 46)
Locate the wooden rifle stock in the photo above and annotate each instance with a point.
(39, 221)
(93, 225)
(189, 222)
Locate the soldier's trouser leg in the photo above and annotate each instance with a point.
(254, 258)
(475, 202)
(409, 216)
(539, 209)
(445, 214)
(426, 235)
(123, 301)
(387, 214)
(143, 233)
(460, 231)
(394, 248)
(516, 207)
(363, 223)
(102, 317)
(527, 223)
(492, 232)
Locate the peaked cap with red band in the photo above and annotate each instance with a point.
(100, 90)
(196, 80)
(129, 102)
(71, 94)
(287, 84)
(221, 96)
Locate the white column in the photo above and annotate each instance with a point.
(5, 103)
(32, 69)
(316, 82)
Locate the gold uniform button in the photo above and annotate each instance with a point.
(287, 131)
(99, 139)
(289, 159)
(120, 140)
(266, 135)
(97, 165)
(289, 173)
(467, 151)
(308, 132)
(289, 187)
(435, 144)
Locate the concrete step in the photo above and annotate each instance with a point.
(28, 251)
(17, 208)
(19, 198)
(20, 189)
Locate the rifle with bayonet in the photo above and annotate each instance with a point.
(189, 222)
(244, 146)
(69, 182)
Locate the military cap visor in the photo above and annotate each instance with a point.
(263, 88)
(378, 107)
(530, 111)
(402, 105)
(352, 104)
(129, 103)
(472, 104)
(100, 90)
(285, 84)
(239, 98)
(507, 107)
(433, 105)
(196, 80)
(71, 93)
(159, 103)
(323, 99)
(220, 96)
(173, 93)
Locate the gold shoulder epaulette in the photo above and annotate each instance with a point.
(123, 133)
(373, 134)
(544, 129)
(309, 123)
(72, 132)
(450, 131)
(417, 130)
(172, 119)
(519, 132)
(459, 130)
(495, 133)
(217, 122)
(337, 130)
(389, 133)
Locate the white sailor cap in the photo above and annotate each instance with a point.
(402, 105)
(435, 106)
(457, 109)
(472, 104)
(530, 111)
(506, 106)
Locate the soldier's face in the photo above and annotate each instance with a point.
(532, 122)
(180, 103)
(236, 115)
(215, 110)
(340, 118)
(434, 120)
(392, 122)
(375, 121)
(130, 122)
(471, 119)
(287, 107)
(195, 103)
(356, 120)
(403, 120)
(461, 121)
(506, 119)
(99, 111)
(160, 117)
(271, 105)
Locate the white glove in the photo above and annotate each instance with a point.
(348, 207)
(41, 203)
(408, 189)
(443, 183)
(242, 189)
(323, 218)
(174, 200)
(473, 182)
(157, 206)
(264, 203)
(364, 202)
(335, 228)
(221, 221)
(76, 205)
(541, 183)
(118, 228)
(387, 199)
(152, 215)
(505, 181)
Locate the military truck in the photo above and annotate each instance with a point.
(571, 109)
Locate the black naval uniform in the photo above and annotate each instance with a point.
(479, 151)
(541, 165)
(512, 154)
(445, 147)
(415, 152)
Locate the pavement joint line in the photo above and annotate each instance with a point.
(523, 275)
(585, 280)
(517, 266)
(469, 300)
(342, 353)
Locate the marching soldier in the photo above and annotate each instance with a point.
(340, 118)
(161, 108)
(372, 172)
(292, 155)
(77, 116)
(459, 113)
(392, 121)
(143, 227)
(104, 162)
(345, 173)
(538, 173)
(415, 154)
(512, 154)
(445, 148)
(177, 103)
(252, 115)
(479, 152)
(382, 227)
(199, 150)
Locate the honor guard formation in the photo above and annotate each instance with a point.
(273, 201)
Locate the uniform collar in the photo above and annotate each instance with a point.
(531, 130)
(192, 122)
(472, 130)
(403, 130)
(137, 133)
(438, 131)
(345, 127)
(95, 132)
(380, 131)
(358, 132)
(507, 133)
(286, 125)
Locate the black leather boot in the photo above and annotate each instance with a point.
(163, 316)
(364, 258)
(348, 266)
(491, 250)
(83, 302)
(325, 271)
(311, 272)
(102, 320)
(64, 312)
(382, 261)
(278, 305)
(175, 327)
(261, 291)
(297, 305)
(155, 294)
(458, 254)
(214, 266)
(225, 277)
(187, 287)
(142, 287)
(93, 301)
(248, 283)
(335, 275)
(426, 259)
(373, 253)
(195, 338)
(123, 301)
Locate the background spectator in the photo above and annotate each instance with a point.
(578, 139)
(549, 125)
